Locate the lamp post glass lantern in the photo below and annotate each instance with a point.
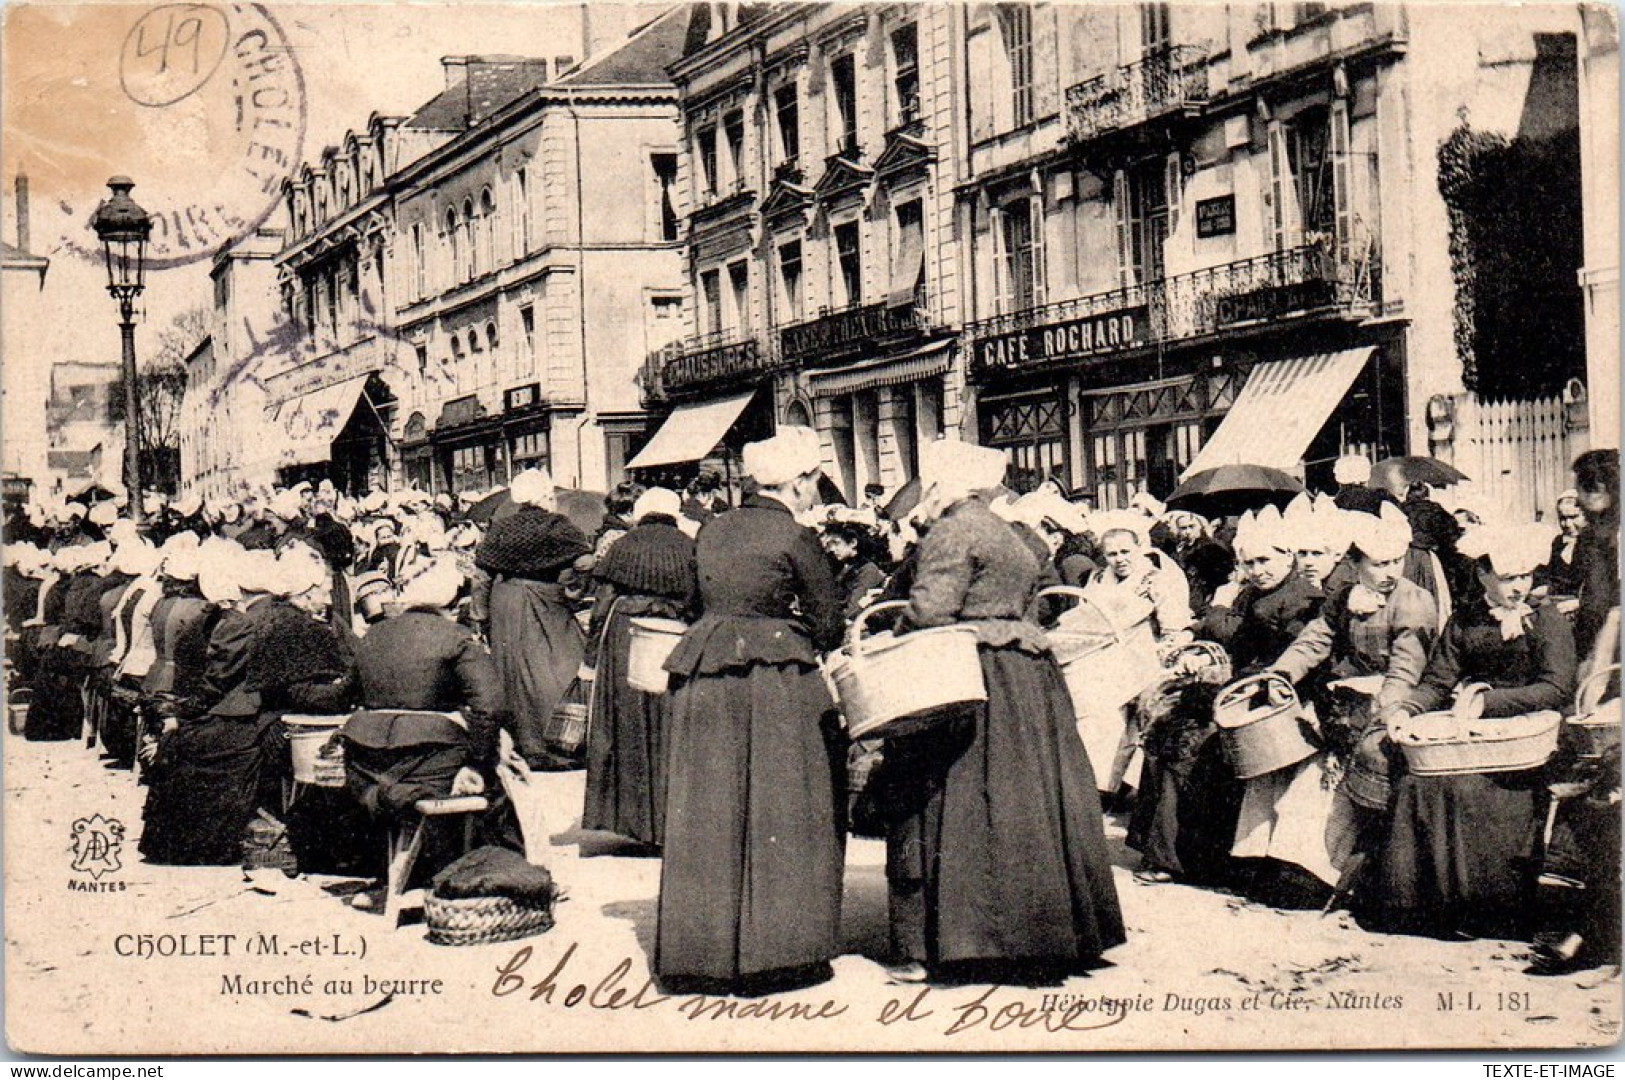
(123, 228)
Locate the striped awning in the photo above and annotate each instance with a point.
(310, 422)
(691, 432)
(925, 362)
(1280, 411)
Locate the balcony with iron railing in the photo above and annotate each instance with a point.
(707, 362)
(843, 333)
(1317, 279)
(1169, 80)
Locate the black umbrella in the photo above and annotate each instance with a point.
(584, 508)
(828, 493)
(1234, 489)
(1398, 473)
(906, 499)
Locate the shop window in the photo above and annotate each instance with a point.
(1033, 430)
(528, 451)
(841, 435)
(790, 280)
(866, 438)
(844, 82)
(1016, 24)
(849, 263)
(905, 43)
(664, 167)
(787, 111)
(470, 469)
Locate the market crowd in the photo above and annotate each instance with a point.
(460, 641)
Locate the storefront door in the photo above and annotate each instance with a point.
(1033, 429)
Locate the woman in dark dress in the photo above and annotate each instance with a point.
(1558, 578)
(750, 888)
(266, 658)
(1596, 557)
(535, 641)
(647, 573)
(996, 858)
(71, 624)
(1456, 859)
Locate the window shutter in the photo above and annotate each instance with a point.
(1125, 240)
(1001, 262)
(1342, 176)
(1040, 268)
(1286, 224)
(1173, 189)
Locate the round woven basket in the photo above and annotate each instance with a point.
(480, 920)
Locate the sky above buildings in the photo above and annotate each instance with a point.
(201, 107)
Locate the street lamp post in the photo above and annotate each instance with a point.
(123, 228)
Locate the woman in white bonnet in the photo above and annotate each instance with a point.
(750, 883)
(1456, 861)
(530, 556)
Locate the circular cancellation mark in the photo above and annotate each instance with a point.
(224, 81)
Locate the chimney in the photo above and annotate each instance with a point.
(455, 67)
(22, 212)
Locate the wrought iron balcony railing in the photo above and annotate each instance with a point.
(845, 332)
(1169, 79)
(1314, 279)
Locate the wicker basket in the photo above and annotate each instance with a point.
(1105, 666)
(480, 920)
(1445, 744)
(1260, 737)
(1596, 719)
(891, 685)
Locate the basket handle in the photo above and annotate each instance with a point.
(1243, 688)
(1595, 683)
(854, 635)
(1204, 650)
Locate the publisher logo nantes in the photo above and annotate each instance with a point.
(97, 842)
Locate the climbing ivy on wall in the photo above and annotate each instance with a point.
(1515, 247)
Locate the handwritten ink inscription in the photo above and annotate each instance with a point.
(171, 52)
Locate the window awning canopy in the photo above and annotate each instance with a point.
(923, 363)
(1280, 411)
(691, 432)
(312, 421)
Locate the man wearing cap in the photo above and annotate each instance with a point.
(750, 887)
(1458, 849)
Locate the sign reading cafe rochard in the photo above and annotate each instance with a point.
(1094, 335)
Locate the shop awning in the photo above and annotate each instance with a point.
(691, 432)
(1280, 411)
(312, 421)
(925, 362)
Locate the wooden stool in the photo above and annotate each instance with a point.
(406, 843)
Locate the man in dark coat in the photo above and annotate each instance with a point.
(1596, 475)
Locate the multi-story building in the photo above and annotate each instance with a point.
(816, 189)
(471, 289)
(227, 436)
(1205, 233)
(26, 388)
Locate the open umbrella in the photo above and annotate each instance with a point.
(906, 499)
(1234, 489)
(1398, 473)
(584, 508)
